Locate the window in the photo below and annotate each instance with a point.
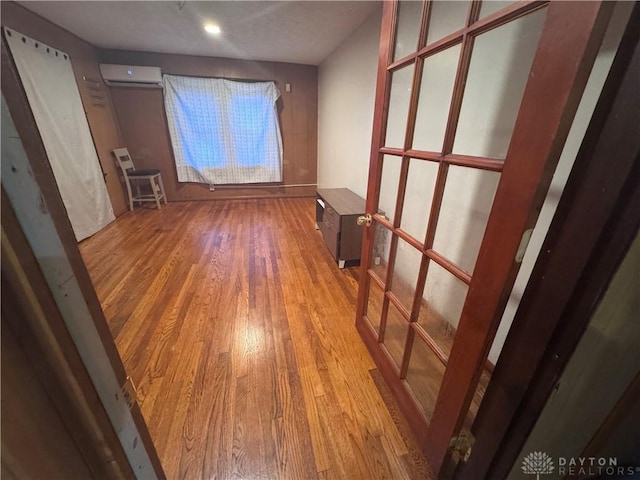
(223, 131)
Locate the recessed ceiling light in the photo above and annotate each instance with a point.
(213, 29)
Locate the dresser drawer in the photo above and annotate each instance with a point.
(331, 237)
(331, 216)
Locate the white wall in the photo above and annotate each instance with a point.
(346, 95)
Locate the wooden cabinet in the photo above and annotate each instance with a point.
(337, 211)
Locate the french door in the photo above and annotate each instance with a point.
(474, 101)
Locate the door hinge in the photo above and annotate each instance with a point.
(128, 391)
(461, 445)
(524, 243)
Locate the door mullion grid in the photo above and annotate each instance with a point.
(383, 104)
(411, 116)
(443, 167)
(434, 211)
(407, 237)
(383, 318)
(367, 279)
(439, 426)
(415, 310)
(426, 15)
(387, 35)
(462, 72)
(473, 13)
(444, 158)
(472, 28)
(436, 203)
(508, 14)
(408, 138)
(448, 265)
(481, 163)
(406, 356)
(402, 187)
(546, 130)
(402, 183)
(388, 282)
(431, 343)
(379, 165)
(445, 43)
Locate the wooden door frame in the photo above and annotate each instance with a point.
(31, 312)
(559, 73)
(596, 221)
(40, 169)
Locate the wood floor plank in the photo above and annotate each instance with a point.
(218, 439)
(238, 329)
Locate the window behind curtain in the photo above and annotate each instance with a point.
(222, 131)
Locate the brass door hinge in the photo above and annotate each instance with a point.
(461, 445)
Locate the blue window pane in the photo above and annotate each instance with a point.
(249, 118)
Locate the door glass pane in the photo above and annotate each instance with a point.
(399, 106)
(500, 64)
(395, 334)
(444, 297)
(491, 6)
(446, 17)
(381, 250)
(389, 185)
(409, 18)
(436, 88)
(421, 183)
(425, 375)
(374, 304)
(405, 273)
(467, 200)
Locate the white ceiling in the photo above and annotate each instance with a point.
(282, 31)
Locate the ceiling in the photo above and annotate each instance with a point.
(282, 31)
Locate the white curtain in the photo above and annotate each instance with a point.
(51, 88)
(223, 131)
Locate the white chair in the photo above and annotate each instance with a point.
(150, 177)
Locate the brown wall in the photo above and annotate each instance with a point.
(84, 59)
(142, 120)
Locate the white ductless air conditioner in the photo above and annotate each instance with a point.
(131, 75)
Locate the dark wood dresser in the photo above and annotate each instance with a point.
(337, 211)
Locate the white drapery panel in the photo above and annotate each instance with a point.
(53, 95)
(223, 131)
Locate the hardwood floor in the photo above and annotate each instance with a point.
(237, 329)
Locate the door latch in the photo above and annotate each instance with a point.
(461, 445)
(364, 220)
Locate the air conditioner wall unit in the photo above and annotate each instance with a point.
(131, 75)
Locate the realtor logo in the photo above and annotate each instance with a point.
(537, 463)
